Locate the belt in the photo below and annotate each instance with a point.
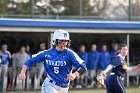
(58, 84)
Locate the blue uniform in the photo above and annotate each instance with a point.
(6, 56)
(104, 59)
(114, 82)
(83, 56)
(30, 54)
(113, 52)
(57, 64)
(93, 58)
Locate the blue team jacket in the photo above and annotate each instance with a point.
(104, 60)
(113, 52)
(5, 58)
(93, 58)
(83, 56)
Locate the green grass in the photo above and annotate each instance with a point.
(128, 90)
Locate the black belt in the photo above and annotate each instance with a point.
(59, 84)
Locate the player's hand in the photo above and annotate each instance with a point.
(72, 76)
(22, 76)
(101, 77)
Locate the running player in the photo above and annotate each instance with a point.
(58, 62)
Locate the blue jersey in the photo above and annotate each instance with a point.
(57, 64)
(113, 52)
(83, 56)
(6, 56)
(93, 58)
(104, 59)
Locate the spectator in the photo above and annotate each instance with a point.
(30, 72)
(28, 50)
(18, 60)
(104, 59)
(83, 55)
(114, 49)
(40, 67)
(5, 58)
(93, 58)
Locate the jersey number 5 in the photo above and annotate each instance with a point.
(56, 70)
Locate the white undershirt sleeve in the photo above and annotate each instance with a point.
(109, 68)
(129, 69)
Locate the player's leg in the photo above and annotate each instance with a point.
(63, 90)
(92, 74)
(10, 77)
(115, 84)
(40, 70)
(19, 83)
(4, 76)
(28, 80)
(78, 82)
(14, 79)
(94, 77)
(48, 87)
(108, 83)
(108, 90)
(82, 79)
(119, 86)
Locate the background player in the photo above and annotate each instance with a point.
(114, 82)
(104, 59)
(58, 62)
(84, 56)
(114, 49)
(5, 59)
(93, 59)
(40, 68)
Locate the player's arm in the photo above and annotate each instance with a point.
(79, 63)
(75, 73)
(130, 69)
(36, 58)
(102, 75)
(109, 68)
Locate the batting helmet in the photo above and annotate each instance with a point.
(61, 35)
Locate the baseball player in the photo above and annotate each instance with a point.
(104, 59)
(84, 56)
(58, 62)
(114, 49)
(93, 59)
(5, 58)
(114, 81)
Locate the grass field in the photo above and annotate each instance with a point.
(128, 90)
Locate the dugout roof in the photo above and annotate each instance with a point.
(40, 25)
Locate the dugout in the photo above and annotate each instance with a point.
(16, 32)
